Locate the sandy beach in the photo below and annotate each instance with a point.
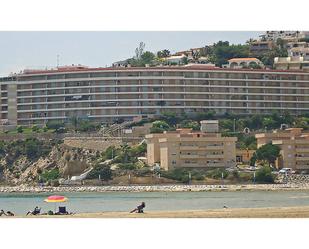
(283, 212)
(278, 212)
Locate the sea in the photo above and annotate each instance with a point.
(21, 203)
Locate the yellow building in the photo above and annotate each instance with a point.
(294, 146)
(244, 156)
(186, 149)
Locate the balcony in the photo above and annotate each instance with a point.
(188, 156)
(218, 156)
(302, 158)
(306, 149)
(188, 147)
(214, 147)
(215, 165)
(301, 166)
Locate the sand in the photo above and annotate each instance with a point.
(273, 212)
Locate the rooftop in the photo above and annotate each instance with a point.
(243, 59)
(72, 69)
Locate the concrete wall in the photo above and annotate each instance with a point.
(99, 144)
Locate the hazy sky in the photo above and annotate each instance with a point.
(20, 50)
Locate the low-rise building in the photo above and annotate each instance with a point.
(244, 63)
(261, 47)
(297, 44)
(175, 59)
(300, 52)
(210, 126)
(294, 145)
(291, 63)
(244, 156)
(186, 149)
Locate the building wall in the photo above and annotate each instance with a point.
(153, 149)
(12, 103)
(294, 145)
(244, 156)
(193, 150)
(106, 95)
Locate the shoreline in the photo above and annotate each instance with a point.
(155, 188)
(270, 212)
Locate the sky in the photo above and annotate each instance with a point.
(22, 50)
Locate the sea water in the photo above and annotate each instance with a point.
(156, 201)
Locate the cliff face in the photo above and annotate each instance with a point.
(24, 170)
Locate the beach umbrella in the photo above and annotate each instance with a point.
(56, 199)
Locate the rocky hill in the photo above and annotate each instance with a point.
(28, 161)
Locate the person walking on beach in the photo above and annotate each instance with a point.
(139, 209)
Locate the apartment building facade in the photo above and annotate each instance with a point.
(110, 94)
(294, 145)
(187, 149)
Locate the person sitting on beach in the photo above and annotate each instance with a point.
(2, 212)
(36, 211)
(139, 209)
(9, 213)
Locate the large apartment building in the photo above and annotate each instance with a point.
(108, 94)
(186, 149)
(294, 145)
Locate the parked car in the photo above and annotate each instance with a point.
(286, 171)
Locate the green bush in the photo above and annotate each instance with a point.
(127, 166)
(264, 175)
(49, 175)
(100, 170)
(245, 177)
(198, 177)
(156, 130)
(35, 128)
(20, 129)
(180, 175)
(143, 171)
(217, 173)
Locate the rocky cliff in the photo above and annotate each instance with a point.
(19, 168)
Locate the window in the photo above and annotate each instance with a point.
(173, 162)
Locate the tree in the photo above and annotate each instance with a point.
(20, 129)
(268, 57)
(190, 124)
(170, 117)
(184, 60)
(147, 58)
(86, 126)
(160, 124)
(35, 128)
(264, 175)
(227, 124)
(141, 58)
(139, 50)
(163, 53)
(125, 152)
(268, 153)
(56, 125)
(205, 115)
(102, 171)
(222, 51)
